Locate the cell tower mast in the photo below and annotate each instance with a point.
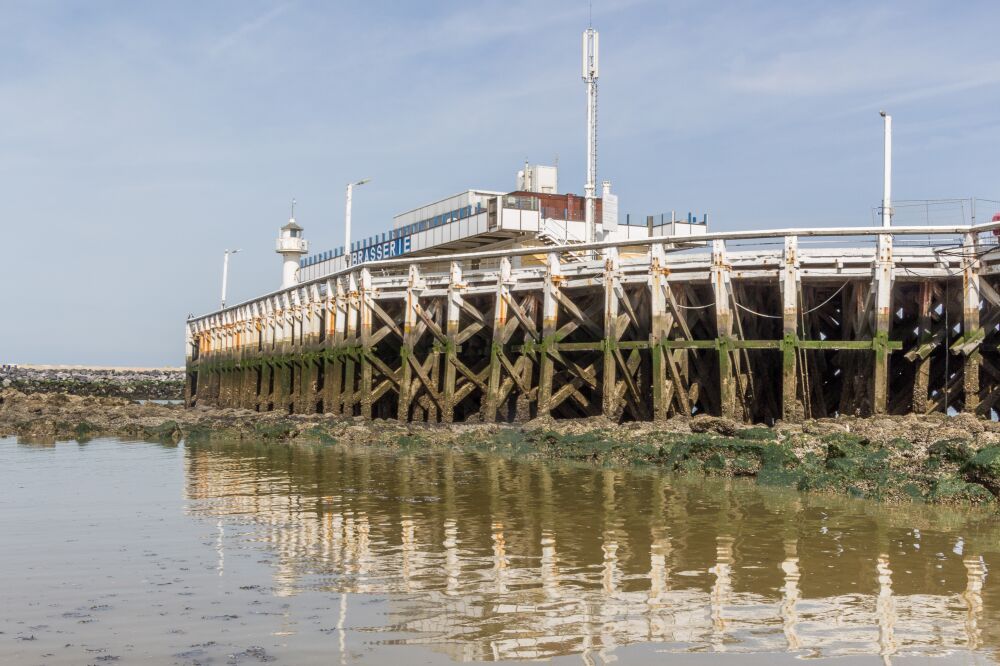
(590, 73)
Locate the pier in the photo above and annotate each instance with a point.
(756, 326)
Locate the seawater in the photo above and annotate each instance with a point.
(131, 552)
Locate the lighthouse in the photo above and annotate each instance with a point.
(291, 246)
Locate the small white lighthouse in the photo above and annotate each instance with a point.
(291, 246)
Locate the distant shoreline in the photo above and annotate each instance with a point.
(99, 368)
(131, 383)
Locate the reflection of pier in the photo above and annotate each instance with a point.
(633, 558)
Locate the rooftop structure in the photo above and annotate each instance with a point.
(485, 220)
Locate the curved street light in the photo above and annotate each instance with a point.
(347, 217)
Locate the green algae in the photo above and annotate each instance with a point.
(85, 431)
(984, 469)
(165, 432)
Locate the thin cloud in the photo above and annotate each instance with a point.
(248, 28)
(929, 92)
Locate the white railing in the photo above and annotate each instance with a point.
(575, 248)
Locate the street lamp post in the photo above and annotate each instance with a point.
(347, 217)
(225, 274)
(886, 169)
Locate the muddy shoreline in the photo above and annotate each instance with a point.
(933, 458)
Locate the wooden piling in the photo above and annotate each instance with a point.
(642, 333)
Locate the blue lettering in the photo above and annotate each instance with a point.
(387, 250)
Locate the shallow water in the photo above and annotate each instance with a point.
(125, 552)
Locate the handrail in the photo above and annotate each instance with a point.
(948, 230)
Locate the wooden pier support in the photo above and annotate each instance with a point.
(972, 334)
(729, 363)
(791, 405)
(610, 403)
(643, 333)
(920, 355)
(550, 321)
(883, 305)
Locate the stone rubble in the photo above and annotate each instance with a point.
(134, 383)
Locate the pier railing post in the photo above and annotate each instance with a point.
(660, 325)
(335, 381)
(610, 403)
(550, 317)
(791, 406)
(267, 368)
(350, 340)
(720, 274)
(329, 307)
(883, 319)
(499, 326)
(406, 351)
(298, 364)
(248, 357)
(283, 343)
(453, 311)
(365, 313)
(225, 378)
(189, 342)
(922, 361)
(308, 344)
(972, 333)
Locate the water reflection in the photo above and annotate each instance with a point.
(486, 558)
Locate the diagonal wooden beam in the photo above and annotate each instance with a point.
(429, 323)
(676, 311)
(468, 332)
(384, 316)
(567, 303)
(623, 299)
(520, 315)
(426, 380)
(380, 390)
(387, 372)
(514, 372)
(479, 379)
(470, 310)
(571, 388)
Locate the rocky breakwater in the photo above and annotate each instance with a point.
(133, 383)
(940, 459)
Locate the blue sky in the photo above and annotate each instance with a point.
(138, 140)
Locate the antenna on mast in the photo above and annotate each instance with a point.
(590, 74)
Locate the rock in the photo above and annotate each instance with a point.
(984, 469)
(716, 424)
(156, 384)
(950, 450)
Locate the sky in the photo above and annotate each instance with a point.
(138, 141)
